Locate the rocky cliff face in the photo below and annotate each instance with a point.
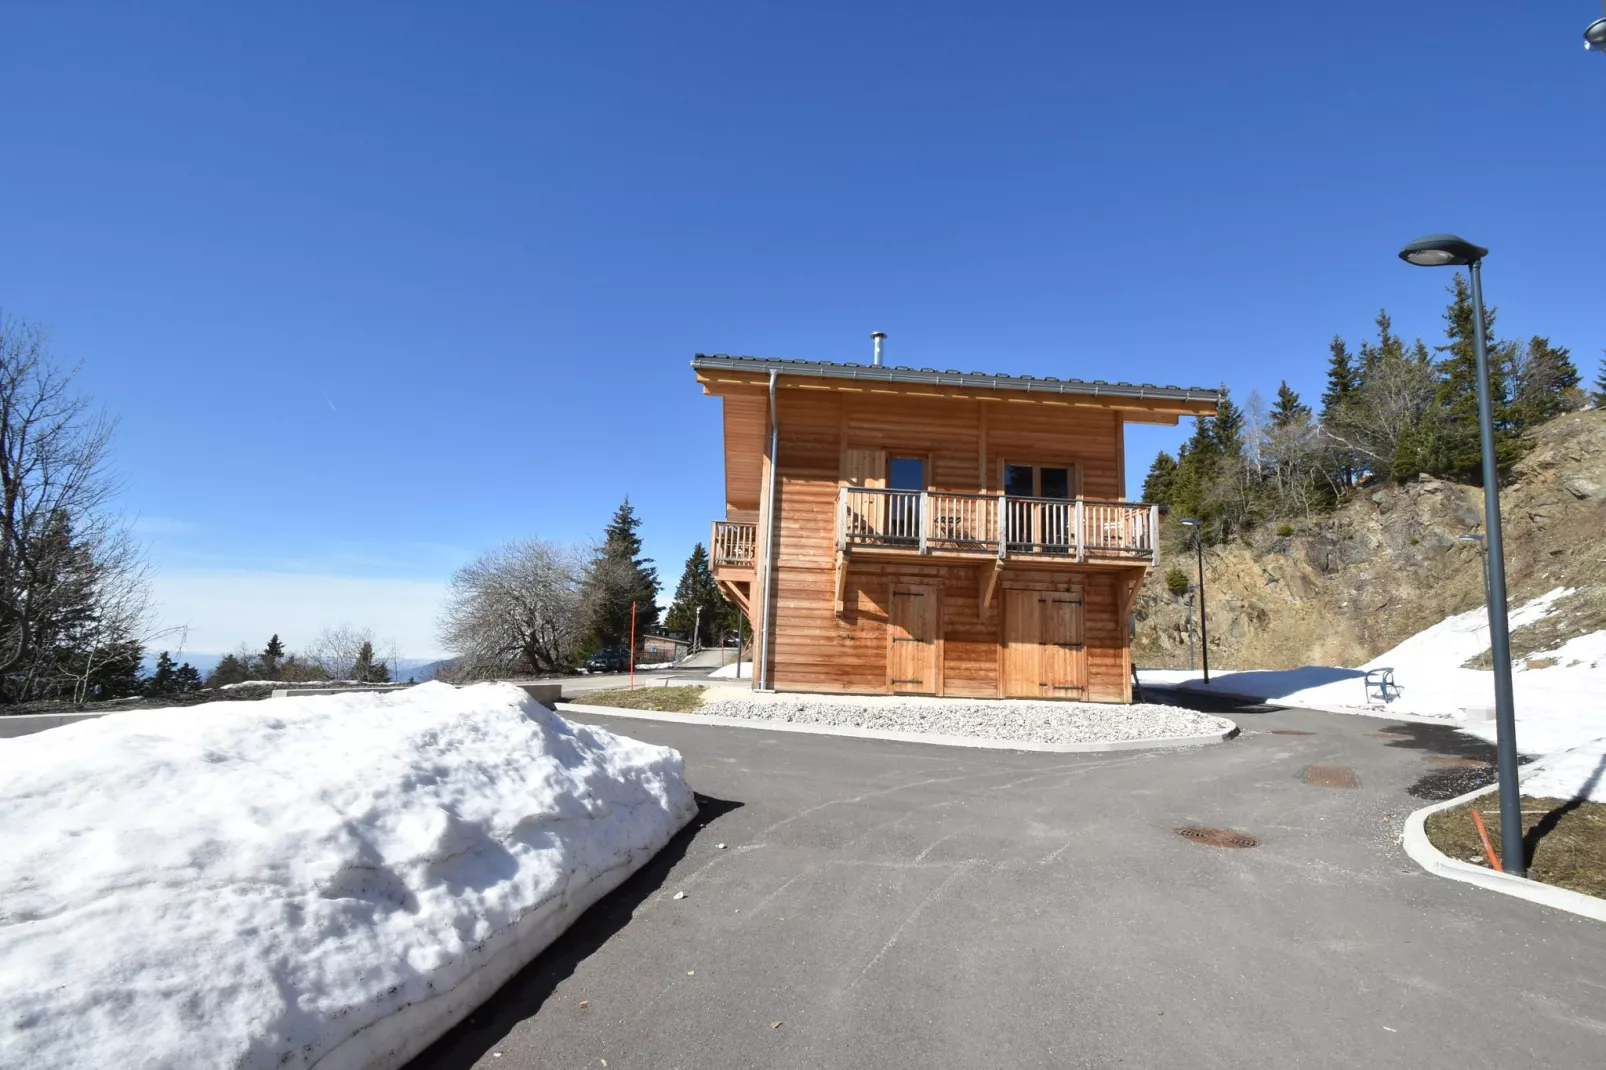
(1341, 589)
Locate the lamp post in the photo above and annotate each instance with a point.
(1595, 36)
(1204, 634)
(1447, 250)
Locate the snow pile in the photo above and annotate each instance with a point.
(333, 881)
(1558, 707)
(1578, 773)
(729, 672)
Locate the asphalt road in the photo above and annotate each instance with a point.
(900, 905)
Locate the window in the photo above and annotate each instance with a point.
(906, 473)
(906, 478)
(1042, 525)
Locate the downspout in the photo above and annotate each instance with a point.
(762, 681)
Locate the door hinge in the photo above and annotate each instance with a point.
(903, 639)
(1069, 646)
(897, 681)
(908, 594)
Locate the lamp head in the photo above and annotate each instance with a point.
(1595, 36)
(1441, 250)
(1189, 522)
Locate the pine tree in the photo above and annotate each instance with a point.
(365, 670)
(1456, 447)
(1546, 383)
(229, 670)
(187, 678)
(1289, 410)
(1600, 384)
(1157, 488)
(161, 680)
(618, 576)
(272, 654)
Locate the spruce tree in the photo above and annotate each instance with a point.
(366, 670)
(1456, 448)
(1600, 384)
(272, 654)
(618, 576)
(1228, 427)
(1546, 383)
(698, 589)
(229, 670)
(186, 678)
(1289, 410)
(1157, 488)
(1341, 378)
(161, 680)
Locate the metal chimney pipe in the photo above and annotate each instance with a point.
(877, 337)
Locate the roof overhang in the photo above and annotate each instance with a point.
(1139, 402)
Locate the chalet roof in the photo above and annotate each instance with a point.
(931, 376)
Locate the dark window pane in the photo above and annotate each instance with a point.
(1018, 480)
(906, 473)
(1056, 483)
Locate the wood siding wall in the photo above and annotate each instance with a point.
(965, 442)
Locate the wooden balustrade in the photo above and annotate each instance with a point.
(934, 521)
(733, 544)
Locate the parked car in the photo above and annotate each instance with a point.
(611, 659)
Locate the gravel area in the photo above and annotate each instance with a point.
(1017, 720)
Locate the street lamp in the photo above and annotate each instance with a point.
(1443, 250)
(1204, 635)
(1595, 36)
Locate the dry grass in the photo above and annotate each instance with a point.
(660, 699)
(1566, 841)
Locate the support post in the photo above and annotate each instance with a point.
(1081, 533)
(923, 518)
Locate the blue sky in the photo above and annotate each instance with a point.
(373, 287)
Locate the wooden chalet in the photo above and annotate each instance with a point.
(905, 531)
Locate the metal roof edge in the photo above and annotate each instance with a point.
(932, 377)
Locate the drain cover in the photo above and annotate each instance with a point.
(1331, 776)
(1212, 837)
(1290, 732)
(1458, 763)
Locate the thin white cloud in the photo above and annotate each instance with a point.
(224, 608)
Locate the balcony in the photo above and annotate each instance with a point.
(733, 545)
(996, 525)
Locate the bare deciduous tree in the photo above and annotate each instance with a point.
(335, 651)
(517, 608)
(73, 586)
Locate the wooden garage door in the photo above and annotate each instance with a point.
(1044, 652)
(913, 624)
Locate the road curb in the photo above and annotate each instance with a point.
(977, 742)
(1423, 853)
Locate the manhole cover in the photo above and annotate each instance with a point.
(1458, 763)
(1291, 732)
(1331, 776)
(1212, 837)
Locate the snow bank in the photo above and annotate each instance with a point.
(729, 672)
(329, 882)
(1558, 707)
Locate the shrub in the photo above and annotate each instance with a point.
(1285, 529)
(1176, 580)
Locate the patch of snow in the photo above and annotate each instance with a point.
(331, 882)
(729, 672)
(1577, 773)
(1557, 708)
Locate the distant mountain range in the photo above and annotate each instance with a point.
(419, 669)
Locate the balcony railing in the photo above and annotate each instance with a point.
(935, 522)
(733, 544)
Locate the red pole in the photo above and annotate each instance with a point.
(632, 646)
